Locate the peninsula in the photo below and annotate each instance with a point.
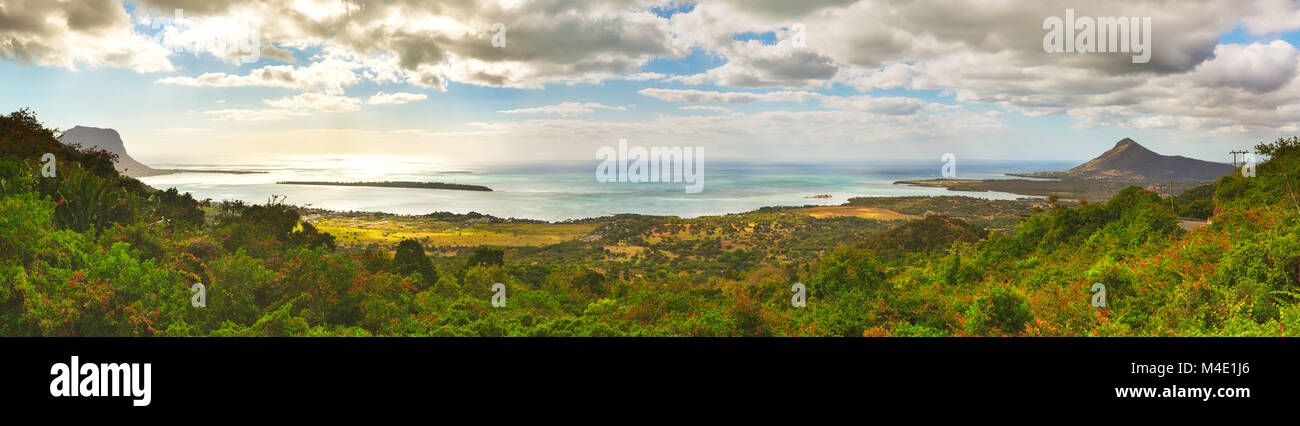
(396, 184)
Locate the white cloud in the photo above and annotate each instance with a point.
(76, 35)
(230, 38)
(892, 76)
(990, 52)
(301, 105)
(1272, 16)
(398, 98)
(182, 130)
(976, 51)
(251, 115)
(1256, 67)
(756, 65)
(316, 102)
(548, 41)
(873, 104)
(710, 108)
(643, 76)
(329, 75)
(882, 105)
(713, 97)
(565, 109)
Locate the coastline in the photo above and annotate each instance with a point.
(1069, 189)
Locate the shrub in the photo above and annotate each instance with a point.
(1002, 310)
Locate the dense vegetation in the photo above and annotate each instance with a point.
(1196, 203)
(991, 214)
(91, 253)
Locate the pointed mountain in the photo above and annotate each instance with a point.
(1131, 161)
(107, 140)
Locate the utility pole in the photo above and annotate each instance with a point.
(1234, 157)
(1171, 199)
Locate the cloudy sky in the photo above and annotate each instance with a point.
(770, 80)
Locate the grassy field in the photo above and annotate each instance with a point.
(694, 248)
(774, 232)
(362, 230)
(856, 211)
(998, 215)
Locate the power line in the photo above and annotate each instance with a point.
(1234, 157)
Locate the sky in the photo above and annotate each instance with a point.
(757, 80)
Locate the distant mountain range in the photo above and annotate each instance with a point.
(1129, 161)
(108, 140)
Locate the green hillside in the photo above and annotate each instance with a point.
(89, 252)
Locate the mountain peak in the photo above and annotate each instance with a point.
(99, 129)
(1128, 147)
(107, 140)
(1130, 161)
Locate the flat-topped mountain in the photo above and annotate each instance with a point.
(108, 140)
(1130, 161)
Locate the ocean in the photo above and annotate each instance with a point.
(563, 191)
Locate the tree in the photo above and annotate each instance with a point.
(1279, 148)
(313, 238)
(591, 282)
(410, 258)
(484, 256)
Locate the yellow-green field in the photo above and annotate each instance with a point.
(855, 211)
(386, 231)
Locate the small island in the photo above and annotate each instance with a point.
(229, 172)
(396, 184)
